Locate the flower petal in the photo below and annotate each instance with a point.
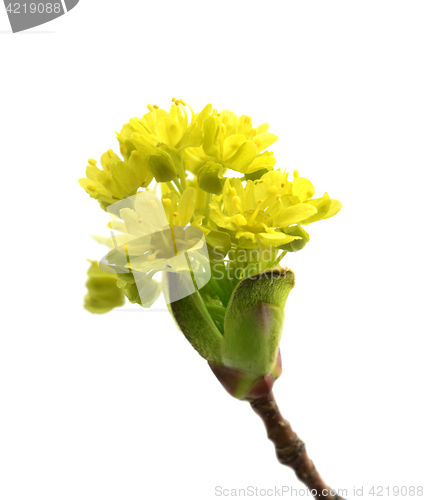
(294, 215)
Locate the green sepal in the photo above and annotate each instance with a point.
(103, 293)
(251, 338)
(254, 321)
(193, 319)
(295, 245)
(253, 176)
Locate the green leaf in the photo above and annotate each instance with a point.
(194, 320)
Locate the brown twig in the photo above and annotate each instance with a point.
(290, 450)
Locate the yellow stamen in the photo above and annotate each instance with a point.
(166, 201)
(150, 107)
(223, 128)
(156, 106)
(176, 102)
(282, 185)
(236, 200)
(110, 153)
(123, 149)
(182, 102)
(192, 113)
(260, 182)
(260, 201)
(92, 187)
(253, 132)
(173, 99)
(233, 191)
(257, 142)
(225, 119)
(278, 197)
(272, 189)
(92, 162)
(175, 214)
(247, 119)
(296, 174)
(140, 220)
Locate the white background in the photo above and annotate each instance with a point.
(120, 406)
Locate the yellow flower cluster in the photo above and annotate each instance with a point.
(213, 171)
(265, 211)
(168, 145)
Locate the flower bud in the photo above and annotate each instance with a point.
(296, 245)
(103, 293)
(210, 178)
(162, 167)
(244, 352)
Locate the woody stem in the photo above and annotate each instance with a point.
(290, 450)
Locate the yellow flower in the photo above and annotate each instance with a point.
(222, 137)
(179, 209)
(263, 212)
(151, 237)
(233, 143)
(118, 179)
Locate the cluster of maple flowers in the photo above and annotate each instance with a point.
(212, 171)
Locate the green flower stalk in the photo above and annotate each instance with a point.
(196, 199)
